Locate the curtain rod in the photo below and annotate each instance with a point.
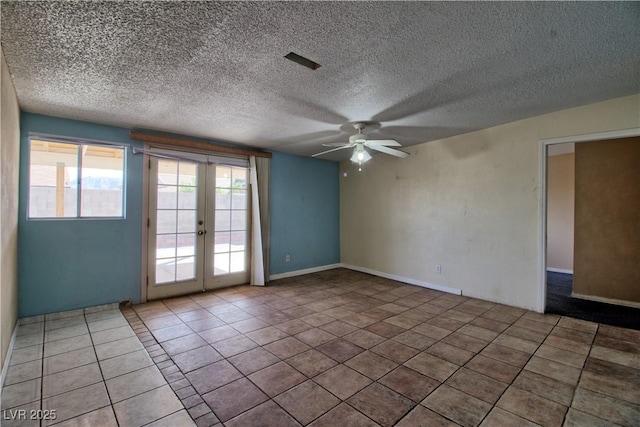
(240, 163)
(186, 143)
(74, 140)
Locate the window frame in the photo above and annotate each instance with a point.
(79, 144)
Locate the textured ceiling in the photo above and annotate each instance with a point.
(216, 69)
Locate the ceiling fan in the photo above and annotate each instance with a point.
(359, 141)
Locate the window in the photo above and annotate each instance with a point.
(74, 180)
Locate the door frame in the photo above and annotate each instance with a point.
(144, 262)
(190, 285)
(542, 229)
(146, 166)
(210, 280)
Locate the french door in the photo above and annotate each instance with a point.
(198, 226)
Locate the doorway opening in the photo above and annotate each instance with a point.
(585, 260)
(198, 225)
(560, 225)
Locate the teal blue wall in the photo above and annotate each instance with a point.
(69, 263)
(305, 212)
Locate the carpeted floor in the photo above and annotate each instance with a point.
(559, 301)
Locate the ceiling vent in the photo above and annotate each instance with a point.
(302, 60)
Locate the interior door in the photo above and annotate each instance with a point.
(198, 226)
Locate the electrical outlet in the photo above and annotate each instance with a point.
(438, 268)
(287, 258)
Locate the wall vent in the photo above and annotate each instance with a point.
(302, 60)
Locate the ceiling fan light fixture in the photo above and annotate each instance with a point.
(360, 156)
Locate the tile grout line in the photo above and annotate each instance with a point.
(375, 381)
(251, 381)
(132, 316)
(85, 323)
(161, 357)
(574, 387)
(104, 381)
(419, 404)
(516, 376)
(44, 331)
(521, 369)
(460, 367)
(575, 390)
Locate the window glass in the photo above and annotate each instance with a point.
(72, 180)
(53, 178)
(102, 181)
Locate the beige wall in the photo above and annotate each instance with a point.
(560, 211)
(607, 241)
(9, 159)
(471, 203)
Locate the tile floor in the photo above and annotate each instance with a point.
(336, 348)
(85, 368)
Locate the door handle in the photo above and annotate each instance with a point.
(201, 232)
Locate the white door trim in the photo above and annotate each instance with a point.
(542, 230)
(144, 264)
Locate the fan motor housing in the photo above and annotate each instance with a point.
(359, 137)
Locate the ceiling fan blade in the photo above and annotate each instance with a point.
(387, 150)
(336, 144)
(335, 149)
(384, 142)
(313, 137)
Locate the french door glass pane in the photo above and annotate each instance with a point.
(223, 220)
(221, 243)
(187, 174)
(176, 221)
(165, 270)
(237, 262)
(239, 220)
(187, 198)
(166, 221)
(239, 178)
(231, 220)
(221, 264)
(167, 172)
(187, 222)
(186, 244)
(239, 199)
(223, 177)
(238, 241)
(167, 196)
(165, 246)
(223, 198)
(185, 268)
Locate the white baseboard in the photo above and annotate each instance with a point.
(559, 270)
(632, 304)
(303, 271)
(408, 280)
(5, 366)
